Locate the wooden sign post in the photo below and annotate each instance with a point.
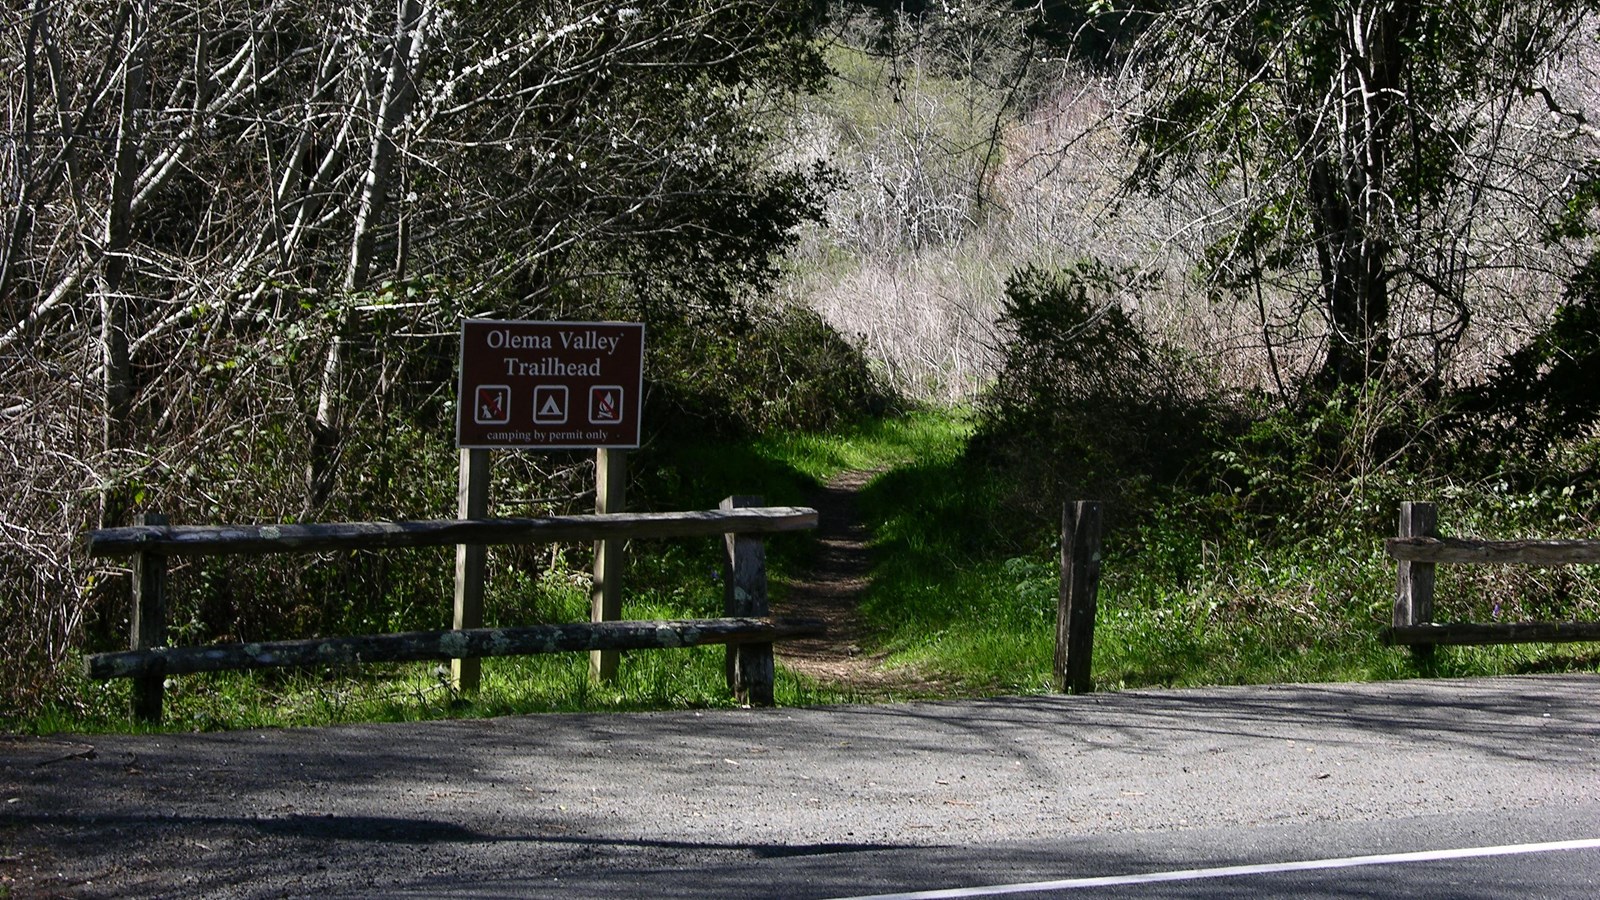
(472, 502)
(605, 597)
(546, 386)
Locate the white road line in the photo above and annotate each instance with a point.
(1386, 859)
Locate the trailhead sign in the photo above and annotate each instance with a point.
(550, 385)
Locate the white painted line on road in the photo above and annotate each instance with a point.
(1386, 859)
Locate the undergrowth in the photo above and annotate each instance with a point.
(663, 580)
(662, 583)
(968, 593)
(1225, 579)
(1244, 535)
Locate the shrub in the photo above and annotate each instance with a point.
(775, 370)
(1541, 398)
(1088, 403)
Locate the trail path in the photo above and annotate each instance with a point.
(831, 591)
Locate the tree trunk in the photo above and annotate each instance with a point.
(1353, 262)
(115, 302)
(396, 100)
(1351, 195)
(21, 212)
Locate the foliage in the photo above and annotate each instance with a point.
(1367, 158)
(1265, 565)
(1541, 397)
(1086, 401)
(919, 121)
(787, 367)
(238, 240)
(778, 369)
(665, 579)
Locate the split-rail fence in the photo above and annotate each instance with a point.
(747, 628)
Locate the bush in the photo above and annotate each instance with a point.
(1541, 399)
(775, 370)
(232, 448)
(1087, 404)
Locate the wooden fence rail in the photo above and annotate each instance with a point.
(448, 644)
(1460, 551)
(747, 630)
(1419, 548)
(213, 540)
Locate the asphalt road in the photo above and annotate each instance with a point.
(846, 801)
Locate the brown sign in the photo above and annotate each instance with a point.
(550, 385)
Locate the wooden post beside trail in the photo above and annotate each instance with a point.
(1413, 604)
(147, 625)
(472, 502)
(605, 597)
(1080, 585)
(749, 666)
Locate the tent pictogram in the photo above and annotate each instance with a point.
(550, 404)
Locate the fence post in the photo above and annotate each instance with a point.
(1413, 604)
(749, 666)
(472, 502)
(605, 597)
(147, 626)
(1080, 585)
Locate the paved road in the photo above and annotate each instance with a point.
(839, 802)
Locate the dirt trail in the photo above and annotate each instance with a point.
(831, 591)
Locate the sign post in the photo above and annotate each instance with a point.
(547, 386)
(472, 502)
(605, 597)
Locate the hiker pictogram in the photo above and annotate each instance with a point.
(492, 405)
(605, 404)
(550, 404)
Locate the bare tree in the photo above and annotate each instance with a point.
(1382, 156)
(234, 231)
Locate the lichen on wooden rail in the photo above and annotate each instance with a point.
(1464, 550)
(444, 645)
(210, 540)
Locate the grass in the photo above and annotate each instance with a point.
(919, 436)
(963, 592)
(987, 626)
(673, 679)
(664, 580)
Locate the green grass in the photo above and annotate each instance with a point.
(664, 580)
(918, 437)
(667, 679)
(654, 680)
(963, 592)
(784, 468)
(986, 626)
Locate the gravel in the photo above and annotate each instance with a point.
(369, 809)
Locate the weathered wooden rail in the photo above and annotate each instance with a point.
(747, 630)
(1420, 548)
(213, 540)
